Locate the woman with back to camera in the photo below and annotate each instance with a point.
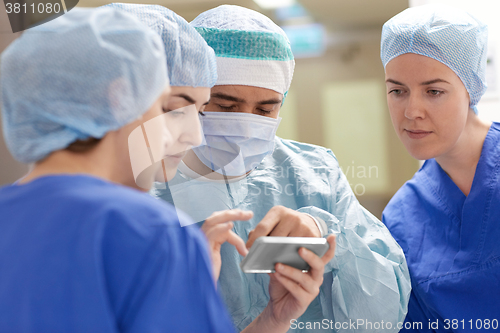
(81, 249)
(446, 217)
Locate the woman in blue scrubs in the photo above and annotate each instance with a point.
(446, 217)
(81, 249)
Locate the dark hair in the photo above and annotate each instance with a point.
(82, 146)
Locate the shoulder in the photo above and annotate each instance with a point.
(309, 153)
(496, 128)
(492, 140)
(134, 224)
(117, 206)
(130, 202)
(299, 147)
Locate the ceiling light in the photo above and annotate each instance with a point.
(273, 4)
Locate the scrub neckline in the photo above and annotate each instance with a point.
(47, 177)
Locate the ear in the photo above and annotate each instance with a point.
(120, 97)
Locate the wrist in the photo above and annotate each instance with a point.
(266, 322)
(323, 229)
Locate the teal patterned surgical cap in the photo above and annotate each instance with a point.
(250, 48)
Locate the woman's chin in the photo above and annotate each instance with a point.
(421, 154)
(166, 172)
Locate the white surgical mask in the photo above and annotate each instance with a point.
(235, 143)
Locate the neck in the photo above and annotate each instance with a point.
(461, 161)
(96, 162)
(193, 162)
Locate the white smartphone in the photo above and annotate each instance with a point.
(267, 251)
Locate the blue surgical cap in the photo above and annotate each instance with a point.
(251, 49)
(81, 75)
(190, 61)
(446, 34)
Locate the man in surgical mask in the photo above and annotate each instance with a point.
(292, 188)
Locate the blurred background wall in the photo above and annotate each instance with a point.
(10, 169)
(337, 97)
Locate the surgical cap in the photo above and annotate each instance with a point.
(81, 75)
(251, 49)
(446, 34)
(190, 61)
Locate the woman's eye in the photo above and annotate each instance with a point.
(396, 92)
(201, 113)
(173, 112)
(435, 92)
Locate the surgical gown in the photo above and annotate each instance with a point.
(368, 278)
(452, 246)
(79, 254)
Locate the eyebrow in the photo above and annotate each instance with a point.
(394, 81)
(189, 99)
(422, 84)
(240, 100)
(271, 101)
(186, 97)
(227, 97)
(434, 81)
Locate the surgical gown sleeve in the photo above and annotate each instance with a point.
(368, 280)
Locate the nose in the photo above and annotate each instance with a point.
(167, 137)
(414, 108)
(191, 134)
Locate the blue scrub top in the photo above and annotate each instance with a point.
(79, 254)
(451, 243)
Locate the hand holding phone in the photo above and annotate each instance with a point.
(267, 251)
(291, 290)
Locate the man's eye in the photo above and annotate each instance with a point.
(226, 108)
(264, 111)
